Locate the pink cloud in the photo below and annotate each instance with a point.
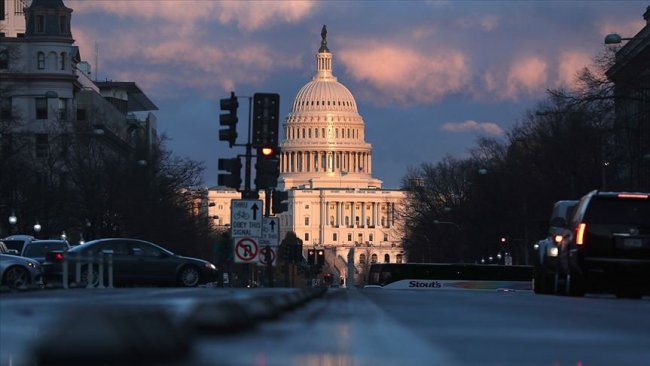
(468, 126)
(570, 63)
(248, 15)
(398, 73)
(527, 75)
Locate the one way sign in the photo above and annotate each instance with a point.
(270, 232)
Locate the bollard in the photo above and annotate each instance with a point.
(90, 278)
(110, 269)
(77, 270)
(64, 276)
(100, 284)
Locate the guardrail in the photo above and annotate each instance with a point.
(102, 261)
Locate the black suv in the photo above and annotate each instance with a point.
(609, 246)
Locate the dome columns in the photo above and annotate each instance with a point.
(350, 162)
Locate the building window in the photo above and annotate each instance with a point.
(41, 145)
(5, 108)
(63, 24)
(40, 57)
(371, 237)
(386, 258)
(306, 207)
(4, 60)
(62, 61)
(307, 221)
(306, 237)
(347, 220)
(7, 144)
(385, 237)
(40, 23)
(349, 237)
(373, 258)
(63, 109)
(398, 258)
(362, 259)
(41, 108)
(81, 114)
(335, 237)
(356, 220)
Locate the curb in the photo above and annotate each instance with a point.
(130, 335)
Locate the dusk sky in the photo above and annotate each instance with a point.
(428, 77)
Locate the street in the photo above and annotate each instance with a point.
(341, 327)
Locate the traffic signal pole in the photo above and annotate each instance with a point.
(248, 193)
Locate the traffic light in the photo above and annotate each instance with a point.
(266, 112)
(229, 119)
(233, 178)
(311, 256)
(267, 168)
(280, 203)
(320, 257)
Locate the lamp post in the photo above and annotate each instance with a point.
(615, 38)
(37, 227)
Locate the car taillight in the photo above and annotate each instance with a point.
(632, 195)
(58, 257)
(580, 233)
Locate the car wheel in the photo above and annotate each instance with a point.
(84, 277)
(538, 281)
(627, 292)
(189, 276)
(17, 278)
(575, 284)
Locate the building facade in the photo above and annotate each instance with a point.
(12, 17)
(326, 166)
(631, 77)
(48, 100)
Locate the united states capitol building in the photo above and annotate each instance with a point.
(326, 166)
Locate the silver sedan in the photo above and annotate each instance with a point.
(20, 273)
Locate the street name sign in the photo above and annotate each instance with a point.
(246, 218)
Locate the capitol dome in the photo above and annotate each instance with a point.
(324, 94)
(324, 143)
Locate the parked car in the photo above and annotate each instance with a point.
(546, 250)
(17, 272)
(134, 262)
(16, 243)
(36, 249)
(609, 246)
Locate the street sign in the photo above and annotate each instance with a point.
(246, 250)
(268, 256)
(270, 232)
(246, 218)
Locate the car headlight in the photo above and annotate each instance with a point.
(210, 266)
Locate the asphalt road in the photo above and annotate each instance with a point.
(342, 327)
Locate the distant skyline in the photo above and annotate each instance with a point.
(429, 78)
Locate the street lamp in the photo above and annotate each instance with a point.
(615, 38)
(37, 227)
(13, 219)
